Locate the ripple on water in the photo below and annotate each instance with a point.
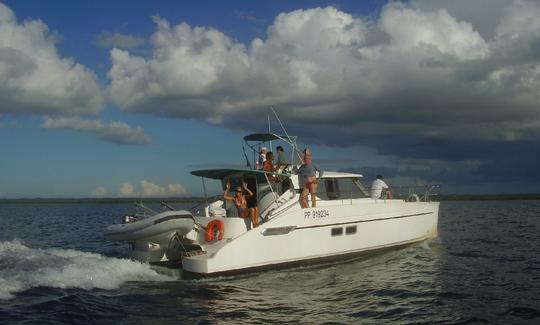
(525, 313)
(484, 261)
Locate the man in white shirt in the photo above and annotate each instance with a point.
(262, 157)
(377, 188)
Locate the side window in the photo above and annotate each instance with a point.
(341, 189)
(360, 187)
(337, 231)
(349, 189)
(332, 188)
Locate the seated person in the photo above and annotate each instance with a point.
(281, 162)
(240, 201)
(262, 158)
(379, 189)
(268, 166)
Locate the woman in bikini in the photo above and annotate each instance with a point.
(308, 172)
(240, 201)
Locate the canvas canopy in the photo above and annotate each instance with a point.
(265, 137)
(224, 173)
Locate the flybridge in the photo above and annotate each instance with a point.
(256, 141)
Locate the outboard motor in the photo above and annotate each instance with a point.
(129, 219)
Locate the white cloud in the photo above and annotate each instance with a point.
(117, 132)
(99, 191)
(409, 72)
(117, 40)
(176, 189)
(147, 188)
(484, 15)
(35, 79)
(409, 28)
(126, 189)
(151, 189)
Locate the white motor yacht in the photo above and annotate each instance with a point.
(214, 240)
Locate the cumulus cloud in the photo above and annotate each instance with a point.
(413, 72)
(35, 79)
(484, 15)
(117, 40)
(147, 188)
(117, 132)
(176, 189)
(151, 189)
(126, 189)
(99, 191)
(417, 81)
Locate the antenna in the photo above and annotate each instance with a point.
(247, 160)
(293, 144)
(269, 131)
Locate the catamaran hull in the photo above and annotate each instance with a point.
(318, 261)
(316, 235)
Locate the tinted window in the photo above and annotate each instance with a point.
(337, 231)
(341, 189)
(350, 230)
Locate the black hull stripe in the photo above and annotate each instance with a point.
(363, 221)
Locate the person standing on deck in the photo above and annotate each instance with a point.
(262, 158)
(281, 161)
(308, 173)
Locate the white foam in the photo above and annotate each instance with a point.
(22, 268)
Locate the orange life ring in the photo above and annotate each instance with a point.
(211, 228)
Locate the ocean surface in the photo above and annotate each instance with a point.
(484, 268)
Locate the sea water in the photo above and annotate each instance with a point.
(484, 268)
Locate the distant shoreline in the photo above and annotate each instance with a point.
(485, 197)
(441, 198)
(100, 200)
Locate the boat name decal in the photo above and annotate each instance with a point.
(316, 214)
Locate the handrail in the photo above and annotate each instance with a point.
(399, 192)
(193, 208)
(144, 208)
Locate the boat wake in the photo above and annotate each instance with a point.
(22, 268)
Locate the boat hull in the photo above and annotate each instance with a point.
(319, 261)
(326, 233)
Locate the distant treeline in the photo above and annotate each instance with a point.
(484, 197)
(446, 197)
(100, 200)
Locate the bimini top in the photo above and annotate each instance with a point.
(224, 173)
(265, 137)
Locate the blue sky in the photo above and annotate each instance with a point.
(124, 98)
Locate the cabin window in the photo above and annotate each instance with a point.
(341, 189)
(361, 187)
(337, 231)
(350, 230)
(332, 188)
